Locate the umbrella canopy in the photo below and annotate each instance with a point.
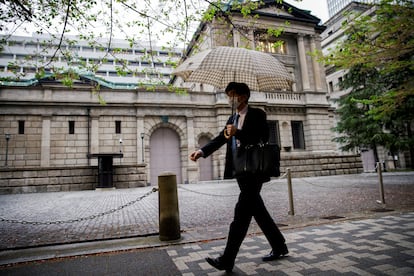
(221, 65)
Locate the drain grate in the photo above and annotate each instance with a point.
(382, 210)
(332, 217)
(281, 225)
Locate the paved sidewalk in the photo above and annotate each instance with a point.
(89, 224)
(375, 246)
(30, 220)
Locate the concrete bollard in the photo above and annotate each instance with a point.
(169, 217)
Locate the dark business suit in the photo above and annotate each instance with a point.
(250, 203)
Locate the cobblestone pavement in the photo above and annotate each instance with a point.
(374, 246)
(30, 220)
(382, 246)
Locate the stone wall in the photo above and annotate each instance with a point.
(60, 179)
(130, 176)
(321, 165)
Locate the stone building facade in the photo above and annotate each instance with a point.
(54, 129)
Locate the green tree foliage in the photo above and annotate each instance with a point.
(379, 53)
(356, 127)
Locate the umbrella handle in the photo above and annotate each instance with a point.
(232, 111)
(226, 135)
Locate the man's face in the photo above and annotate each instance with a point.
(236, 100)
(234, 96)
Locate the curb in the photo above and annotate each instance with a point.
(59, 251)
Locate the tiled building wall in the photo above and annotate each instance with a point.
(110, 141)
(65, 148)
(23, 149)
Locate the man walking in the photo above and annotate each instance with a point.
(247, 127)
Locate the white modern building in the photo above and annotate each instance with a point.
(117, 65)
(335, 6)
(334, 34)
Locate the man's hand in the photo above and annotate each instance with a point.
(231, 130)
(195, 155)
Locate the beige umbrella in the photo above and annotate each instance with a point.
(221, 65)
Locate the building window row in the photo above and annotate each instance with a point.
(298, 136)
(71, 129)
(114, 62)
(331, 86)
(106, 73)
(272, 47)
(270, 43)
(79, 48)
(274, 132)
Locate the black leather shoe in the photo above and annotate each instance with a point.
(220, 265)
(274, 255)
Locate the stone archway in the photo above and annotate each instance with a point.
(164, 154)
(205, 164)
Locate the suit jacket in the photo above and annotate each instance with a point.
(254, 130)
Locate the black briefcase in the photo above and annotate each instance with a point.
(263, 159)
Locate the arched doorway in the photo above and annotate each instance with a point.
(205, 164)
(164, 154)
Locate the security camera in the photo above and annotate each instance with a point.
(120, 141)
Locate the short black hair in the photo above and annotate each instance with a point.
(239, 87)
(231, 86)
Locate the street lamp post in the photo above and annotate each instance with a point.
(120, 150)
(142, 145)
(7, 148)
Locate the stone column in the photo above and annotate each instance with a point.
(315, 64)
(251, 39)
(95, 136)
(236, 38)
(243, 38)
(192, 166)
(303, 63)
(45, 143)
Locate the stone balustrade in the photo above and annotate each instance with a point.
(285, 98)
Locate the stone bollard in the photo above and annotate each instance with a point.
(169, 217)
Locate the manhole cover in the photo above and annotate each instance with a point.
(382, 210)
(333, 217)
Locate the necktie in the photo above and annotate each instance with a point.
(233, 138)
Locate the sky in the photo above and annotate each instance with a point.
(318, 8)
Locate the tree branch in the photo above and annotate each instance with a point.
(110, 33)
(62, 34)
(26, 12)
(146, 16)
